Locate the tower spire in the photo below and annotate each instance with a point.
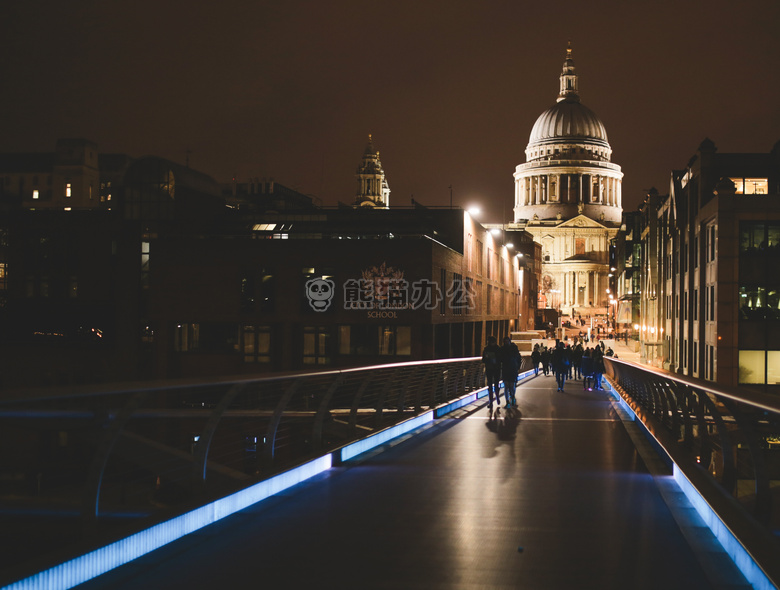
(372, 190)
(569, 86)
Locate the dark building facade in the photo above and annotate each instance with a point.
(399, 284)
(717, 289)
(164, 273)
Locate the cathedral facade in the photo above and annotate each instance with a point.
(568, 196)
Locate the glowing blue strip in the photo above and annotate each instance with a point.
(474, 396)
(370, 442)
(731, 545)
(458, 403)
(93, 564)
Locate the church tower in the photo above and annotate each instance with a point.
(568, 195)
(372, 188)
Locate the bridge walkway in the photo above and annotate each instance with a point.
(551, 495)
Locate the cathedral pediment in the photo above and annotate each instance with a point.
(581, 221)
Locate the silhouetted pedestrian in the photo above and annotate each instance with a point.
(491, 358)
(510, 367)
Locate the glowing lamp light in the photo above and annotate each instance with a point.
(474, 211)
(495, 231)
(510, 245)
(636, 326)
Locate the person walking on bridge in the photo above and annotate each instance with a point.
(510, 367)
(491, 358)
(561, 359)
(598, 366)
(536, 358)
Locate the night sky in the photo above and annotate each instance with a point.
(449, 90)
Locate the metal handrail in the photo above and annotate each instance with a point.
(143, 452)
(725, 440)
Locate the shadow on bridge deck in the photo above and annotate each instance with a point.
(551, 495)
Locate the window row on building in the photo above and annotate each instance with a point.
(709, 301)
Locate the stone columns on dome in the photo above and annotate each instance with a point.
(601, 189)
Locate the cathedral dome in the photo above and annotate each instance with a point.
(568, 129)
(568, 119)
(568, 170)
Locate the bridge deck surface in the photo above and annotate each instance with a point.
(552, 495)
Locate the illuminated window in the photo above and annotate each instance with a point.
(68, 190)
(256, 344)
(316, 345)
(215, 338)
(759, 367)
(752, 366)
(145, 255)
(394, 340)
(36, 194)
(751, 186)
(456, 294)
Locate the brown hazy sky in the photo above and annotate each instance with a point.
(449, 90)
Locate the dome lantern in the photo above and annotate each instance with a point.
(568, 79)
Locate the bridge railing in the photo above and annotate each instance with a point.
(726, 443)
(81, 466)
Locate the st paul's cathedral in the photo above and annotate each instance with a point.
(568, 196)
